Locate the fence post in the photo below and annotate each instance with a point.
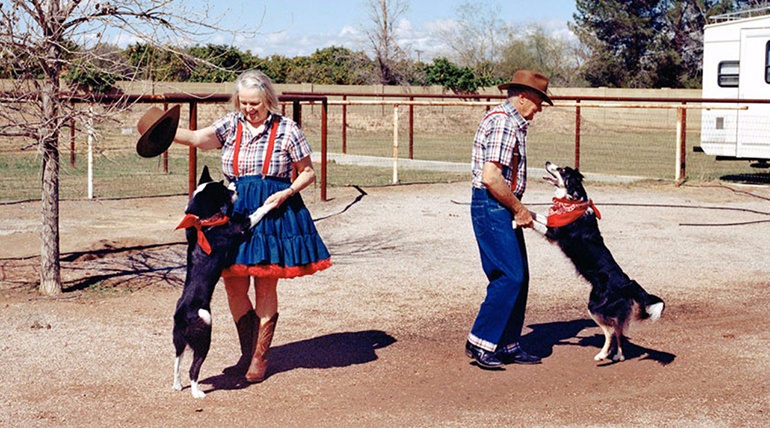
(296, 112)
(577, 134)
(192, 168)
(165, 152)
(324, 131)
(90, 150)
(72, 143)
(395, 143)
(681, 143)
(411, 129)
(344, 125)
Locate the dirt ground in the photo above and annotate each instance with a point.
(377, 340)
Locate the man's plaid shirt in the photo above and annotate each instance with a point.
(502, 131)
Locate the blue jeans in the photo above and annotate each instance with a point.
(504, 260)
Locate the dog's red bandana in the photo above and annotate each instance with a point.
(564, 211)
(191, 220)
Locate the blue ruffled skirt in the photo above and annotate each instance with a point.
(285, 243)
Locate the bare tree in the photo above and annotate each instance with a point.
(534, 48)
(41, 41)
(384, 15)
(477, 38)
(495, 49)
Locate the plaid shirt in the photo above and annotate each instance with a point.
(290, 146)
(497, 137)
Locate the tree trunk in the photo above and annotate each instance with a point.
(50, 270)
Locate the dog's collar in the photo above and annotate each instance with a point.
(191, 220)
(564, 211)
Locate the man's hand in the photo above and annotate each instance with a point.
(523, 218)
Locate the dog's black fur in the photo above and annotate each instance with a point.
(615, 299)
(192, 319)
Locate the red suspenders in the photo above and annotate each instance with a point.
(270, 147)
(268, 152)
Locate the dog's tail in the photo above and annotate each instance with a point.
(651, 305)
(654, 307)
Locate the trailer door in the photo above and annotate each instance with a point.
(754, 123)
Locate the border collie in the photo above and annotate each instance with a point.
(615, 299)
(213, 234)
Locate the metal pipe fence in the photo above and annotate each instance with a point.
(628, 136)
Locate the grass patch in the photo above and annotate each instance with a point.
(612, 147)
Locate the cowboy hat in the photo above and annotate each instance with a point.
(157, 129)
(528, 79)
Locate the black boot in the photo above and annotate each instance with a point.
(247, 338)
(484, 359)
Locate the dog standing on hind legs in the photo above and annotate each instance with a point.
(212, 237)
(615, 299)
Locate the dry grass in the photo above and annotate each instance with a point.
(629, 142)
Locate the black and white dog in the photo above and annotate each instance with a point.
(615, 299)
(213, 234)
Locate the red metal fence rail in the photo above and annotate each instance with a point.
(297, 99)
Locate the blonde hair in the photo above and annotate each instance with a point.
(256, 79)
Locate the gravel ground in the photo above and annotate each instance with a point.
(377, 340)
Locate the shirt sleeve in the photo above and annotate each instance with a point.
(500, 141)
(224, 127)
(298, 148)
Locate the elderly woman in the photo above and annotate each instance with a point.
(260, 148)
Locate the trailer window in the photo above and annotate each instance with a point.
(767, 62)
(728, 74)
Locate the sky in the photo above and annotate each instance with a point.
(300, 27)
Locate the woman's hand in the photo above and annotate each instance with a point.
(278, 198)
(305, 177)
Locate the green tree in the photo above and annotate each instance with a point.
(215, 63)
(106, 65)
(619, 34)
(460, 80)
(335, 66)
(155, 63)
(277, 67)
(644, 43)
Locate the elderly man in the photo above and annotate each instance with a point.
(499, 178)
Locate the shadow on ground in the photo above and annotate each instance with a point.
(756, 178)
(323, 352)
(544, 337)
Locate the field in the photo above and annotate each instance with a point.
(627, 142)
(377, 339)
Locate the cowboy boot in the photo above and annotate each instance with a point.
(258, 367)
(246, 327)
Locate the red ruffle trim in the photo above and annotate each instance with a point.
(275, 271)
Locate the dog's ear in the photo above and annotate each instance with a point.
(578, 174)
(574, 184)
(205, 176)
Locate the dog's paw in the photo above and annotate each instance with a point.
(196, 391)
(618, 357)
(177, 386)
(600, 356)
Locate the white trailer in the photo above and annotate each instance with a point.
(736, 66)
